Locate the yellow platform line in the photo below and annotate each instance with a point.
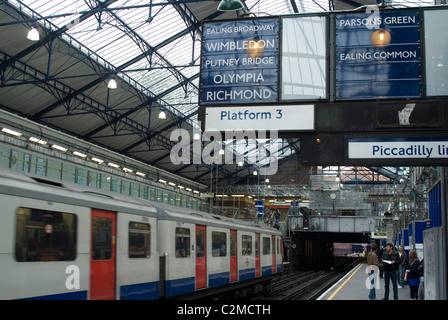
(340, 287)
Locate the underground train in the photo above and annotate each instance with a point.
(67, 241)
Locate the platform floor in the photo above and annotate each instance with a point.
(353, 287)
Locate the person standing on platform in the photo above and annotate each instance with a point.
(372, 260)
(391, 261)
(402, 267)
(413, 274)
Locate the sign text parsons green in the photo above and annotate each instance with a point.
(368, 71)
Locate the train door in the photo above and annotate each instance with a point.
(257, 255)
(102, 260)
(201, 257)
(233, 256)
(274, 260)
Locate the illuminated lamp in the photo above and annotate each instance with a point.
(33, 34)
(380, 38)
(255, 47)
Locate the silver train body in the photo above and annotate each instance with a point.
(68, 241)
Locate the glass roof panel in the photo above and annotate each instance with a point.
(128, 28)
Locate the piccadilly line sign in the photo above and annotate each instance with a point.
(406, 148)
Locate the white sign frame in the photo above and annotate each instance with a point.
(281, 118)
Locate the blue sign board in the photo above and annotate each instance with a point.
(239, 62)
(259, 208)
(378, 55)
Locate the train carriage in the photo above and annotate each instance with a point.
(67, 241)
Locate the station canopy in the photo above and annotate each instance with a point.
(151, 48)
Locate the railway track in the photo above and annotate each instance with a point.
(308, 285)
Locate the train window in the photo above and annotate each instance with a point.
(246, 245)
(182, 243)
(219, 244)
(139, 240)
(102, 238)
(266, 245)
(200, 243)
(43, 235)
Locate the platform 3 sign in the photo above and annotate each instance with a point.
(285, 118)
(239, 62)
(378, 55)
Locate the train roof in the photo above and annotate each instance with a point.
(23, 184)
(170, 212)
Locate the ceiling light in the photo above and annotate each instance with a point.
(11, 132)
(240, 163)
(112, 83)
(230, 5)
(37, 140)
(59, 148)
(127, 170)
(79, 154)
(172, 184)
(162, 115)
(113, 165)
(33, 34)
(162, 181)
(140, 174)
(197, 136)
(99, 161)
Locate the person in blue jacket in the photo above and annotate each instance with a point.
(413, 274)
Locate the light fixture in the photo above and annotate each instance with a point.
(172, 184)
(113, 165)
(127, 170)
(240, 163)
(37, 140)
(99, 161)
(162, 181)
(230, 5)
(255, 173)
(11, 132)
(79, 154)
(141, 174)
(380, 38)
(33, 34)
(112, 83)
(221, 151)
(196, 136)
(162, 115)
(255, 47)
(59, 148)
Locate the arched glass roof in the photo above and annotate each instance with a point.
(152, 46)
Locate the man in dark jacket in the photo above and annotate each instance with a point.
(391, 261)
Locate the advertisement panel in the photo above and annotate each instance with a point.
(239, 62)
(378, 55)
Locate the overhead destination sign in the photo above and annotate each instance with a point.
(378, 55)
(407, 148)
(293, 118)
(239, 62)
